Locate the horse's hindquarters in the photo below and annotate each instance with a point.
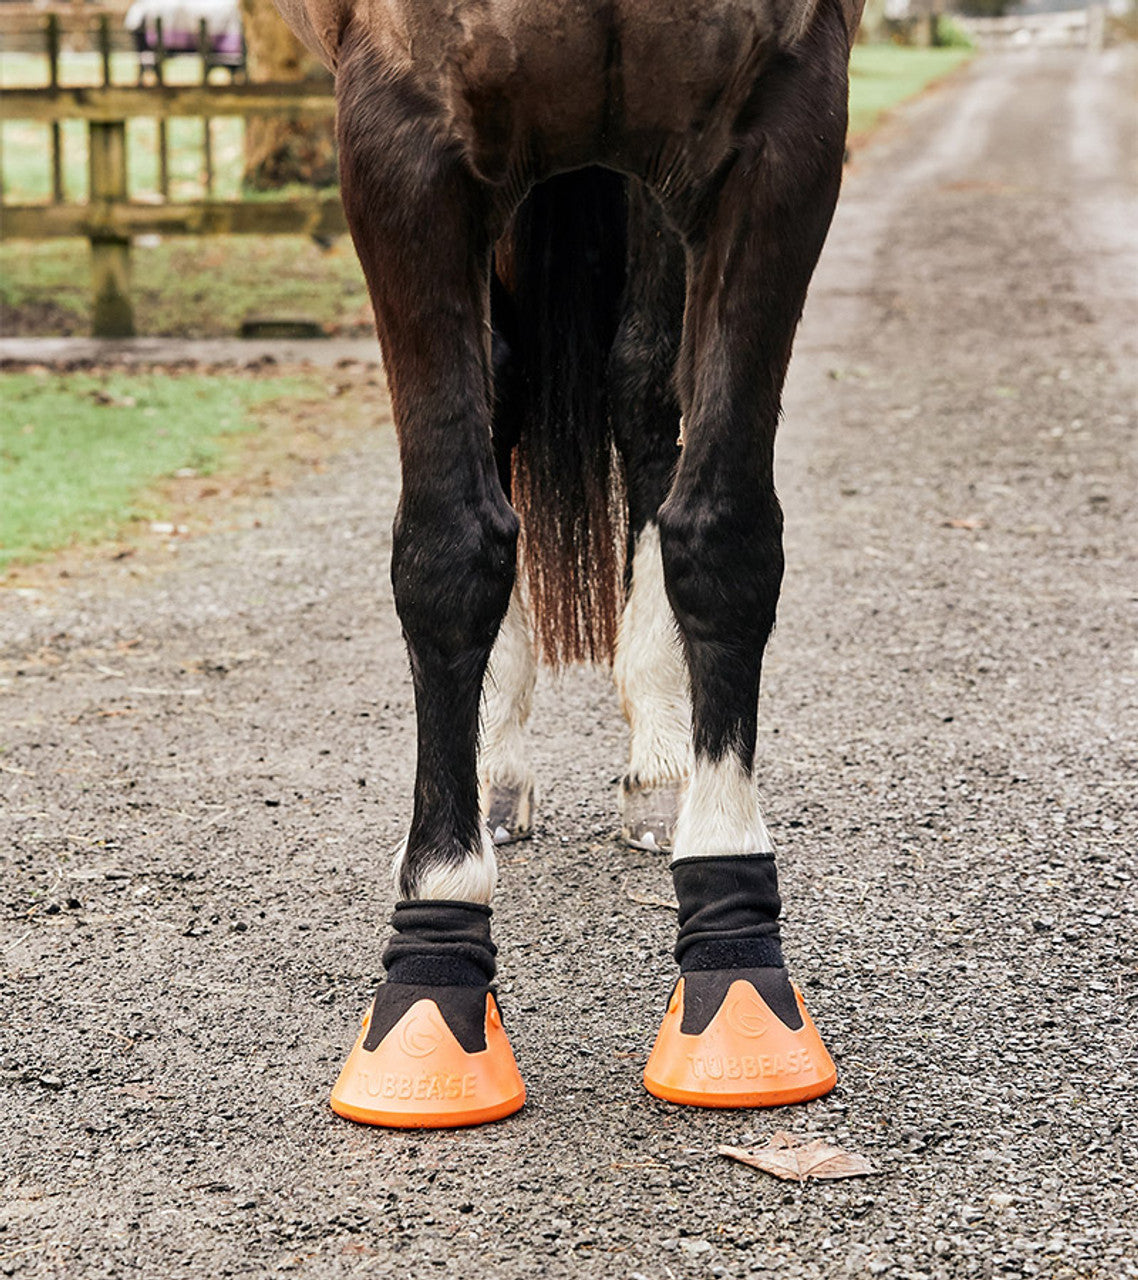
(530, 88)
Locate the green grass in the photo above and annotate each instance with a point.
(205, 287)
(78, 452)
(882, 76)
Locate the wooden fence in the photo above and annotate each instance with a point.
(22, 23)
(109, 218)
(1030, 30)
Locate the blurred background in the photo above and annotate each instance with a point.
(221, 187)
(168, 171)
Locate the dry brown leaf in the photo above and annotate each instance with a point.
(788, 1157)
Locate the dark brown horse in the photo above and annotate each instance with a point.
(588, 227)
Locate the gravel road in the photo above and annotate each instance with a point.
(203, 770)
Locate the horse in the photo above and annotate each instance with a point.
(587, 229)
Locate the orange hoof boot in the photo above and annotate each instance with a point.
(423, 1069)
(721, 1044)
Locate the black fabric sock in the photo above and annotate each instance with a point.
(441, 951)
(448, 939)
(728, 917)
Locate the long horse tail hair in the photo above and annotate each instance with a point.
(563, 261)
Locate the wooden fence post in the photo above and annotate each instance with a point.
(110, 255)
(105, 48)
(163, 138)
(52, 32)
(207, 123)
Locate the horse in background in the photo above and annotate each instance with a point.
(587, 228)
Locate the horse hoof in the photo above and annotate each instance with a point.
(649, 815)
(418, 1075)
(509, 812)
(731, 1049)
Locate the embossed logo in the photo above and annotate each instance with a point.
(420, 1035)
(749, 1066)
(434, 1086)
(745, 1016)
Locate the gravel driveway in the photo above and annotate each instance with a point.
(204, 769)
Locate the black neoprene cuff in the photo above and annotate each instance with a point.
(441, 952)
(729, 909)
(442, 944)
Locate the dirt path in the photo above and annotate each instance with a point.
(203, 773)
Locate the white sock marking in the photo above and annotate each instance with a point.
(507, 696)
(472, 880)
(651, 674)
(720, 815)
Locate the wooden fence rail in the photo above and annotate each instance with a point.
(110, 218)
(167, 101)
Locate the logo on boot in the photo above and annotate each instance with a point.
(745, 1014)
(421, 1034)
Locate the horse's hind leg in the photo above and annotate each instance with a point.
(433, 1052)
(505, 773)
(649, 667)
(736, 1032)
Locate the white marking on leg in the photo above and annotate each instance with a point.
(651, 674)
(472, 880)
(720, 815)
(507, 697)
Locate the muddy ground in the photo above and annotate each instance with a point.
(205, 767)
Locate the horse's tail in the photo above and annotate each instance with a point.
(564, 263)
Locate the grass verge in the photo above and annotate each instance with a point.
(882, 76)
(80, 454)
